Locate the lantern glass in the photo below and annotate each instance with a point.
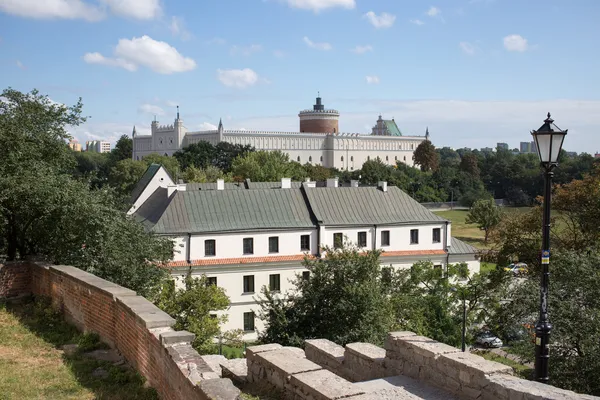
(549, 146)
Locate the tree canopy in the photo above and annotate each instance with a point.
(426, 157)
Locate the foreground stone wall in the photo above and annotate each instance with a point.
(138, 329)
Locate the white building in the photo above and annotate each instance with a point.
(248, 235)
(97, 146)
(322, 145)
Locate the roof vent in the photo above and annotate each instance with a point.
(307, 184)
(220, 184)
(382, 185)
(286, 183)
(353, 183)
(332, 182)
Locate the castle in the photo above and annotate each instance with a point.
(318, 141)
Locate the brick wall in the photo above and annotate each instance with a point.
(130, 323)
(319, 125)
(15, 280)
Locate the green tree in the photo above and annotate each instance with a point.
(170, 163)
(199, 155)
(203, 175)
(92, 166)
(486, 215)
(344, 301)
(267, 166)
(125, 174)
(317, 172)
(226, 152)
(468, 164)
(426, 157)
(123, 149)
(193, 307)
(374, 171)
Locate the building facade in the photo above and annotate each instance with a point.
(97, 146)
(249, 235)
(318, 142)
(74, 145)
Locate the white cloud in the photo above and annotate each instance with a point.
(207, 126)
(319, 5)
(151, 109)
(52, 9)
(515, 43)
(237, 78)
(144, 51)
(434, 11)
(78, 9)
(383, 20)
(177, 28)
(362, 49)
(20, 65)
(467, 48)
(372, 79)
(245, 50)
(319, 46)
(171, 103)
(138, 9)
(417, 22)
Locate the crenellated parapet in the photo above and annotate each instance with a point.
(164, 128)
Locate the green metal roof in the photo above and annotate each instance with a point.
(460, 247)
(271, 185)
(366, 206)
(213, 186)
(152, 209)
(392, 127)
(234, 210)
(144, 181)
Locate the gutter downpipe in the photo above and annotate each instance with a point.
(446, 246)
(189, 250)
(374, 237)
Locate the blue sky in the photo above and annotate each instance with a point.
(476, 72)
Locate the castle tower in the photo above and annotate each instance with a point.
(319, 119)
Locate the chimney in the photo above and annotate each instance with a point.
(286, 183)
(353, 183)
(309, 184)
(220, 184)
(332, 182)
(307, 180)
(382, 185)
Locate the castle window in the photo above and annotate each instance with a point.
(352, 158)
(321, 158)
(404, 158)
(138, 158)
(298, 158)
(412, 146)
(387, 158)
(395, 158)
(342, 159)
(368, 158)
(310, 159)
(171, 140)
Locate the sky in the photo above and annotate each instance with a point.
(475, 72)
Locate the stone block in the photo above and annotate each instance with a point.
(214, 361)
(280, 365)
(392, 337)
(517, 389)
(425, 347)
(146, 312)
(236, 370)
(324, 346)
(414, 387)
(176, 337)
(219, 389)
(253, 350)
(323, 385)
(472, 365)
(367, 351)
(296, 350)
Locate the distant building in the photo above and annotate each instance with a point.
(318, 141)
(487, 150)
(502, 146)
(97, 146)
(527, 147)
(597, 155)
(74, 145)
(571, 154)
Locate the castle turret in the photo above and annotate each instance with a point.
(319, 119)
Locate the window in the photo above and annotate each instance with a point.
(249, 321)
(321, 158)
(274, 282)
(338, 240)
(213, 316)
(404, 158)
(298, 159)
(248, 246)
(274, 244)
(249, 284)
(414, 236)
(210, 248)
(395, 158)
(310, 159)
(342, 159)
(352, 158)
(385, 238)
(211, 280)
(368, 158)
(362, 239)
(387, 158)
(437, 237)
(306, 275)
(305, 243)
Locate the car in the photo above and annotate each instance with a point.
(517, 269)
(488, 340)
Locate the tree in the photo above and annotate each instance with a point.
(486, 215)
(125, 174)
(317, 172)
(203, 175)
(468, 164)
(267, 166)
(374, 171)
(193, 308)
(92, 166)
(344, 301)
(170, 163)
(426, 157)
(226, 152)
(199, 155)
(123, 149)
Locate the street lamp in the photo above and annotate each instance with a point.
(548, 139)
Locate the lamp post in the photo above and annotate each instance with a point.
(464, 316)
(549, 139)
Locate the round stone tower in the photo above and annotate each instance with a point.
(319, 119)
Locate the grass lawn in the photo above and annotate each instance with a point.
(33, 367)
(469, 233)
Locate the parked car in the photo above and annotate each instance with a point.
(488, 340)
(517, 269)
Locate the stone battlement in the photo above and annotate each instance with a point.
(408, 367)
(163, 128)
